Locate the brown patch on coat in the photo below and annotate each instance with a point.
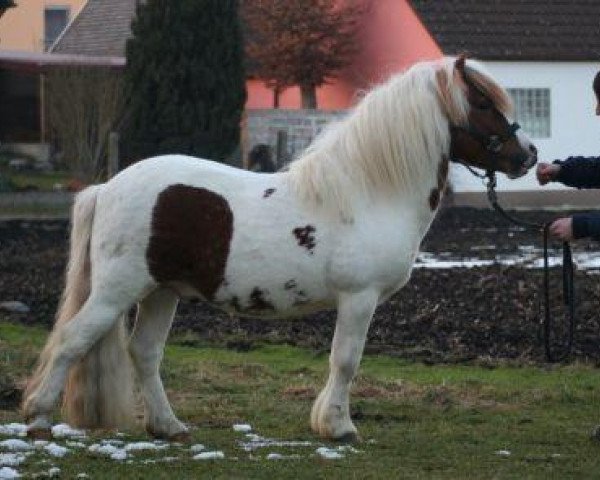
(190, 238)
(258, 301)
(269, 192)
(442, 177)
(305, 237)
(434, 198)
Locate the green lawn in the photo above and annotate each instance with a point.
(417, 421)
(43, 181)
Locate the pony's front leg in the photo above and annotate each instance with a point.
(330, 415)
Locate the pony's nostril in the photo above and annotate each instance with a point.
(532, 149)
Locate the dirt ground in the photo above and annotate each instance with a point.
(442, 315)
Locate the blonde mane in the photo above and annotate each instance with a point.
(392, 141)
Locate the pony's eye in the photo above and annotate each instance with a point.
(484, 104)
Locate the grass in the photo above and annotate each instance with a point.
(43, 181)
(417, 421)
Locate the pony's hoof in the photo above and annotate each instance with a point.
(349, 437)
(179, 437)
(38, 433)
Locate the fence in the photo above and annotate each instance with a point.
(287, 132)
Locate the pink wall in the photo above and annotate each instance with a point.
(393, 39)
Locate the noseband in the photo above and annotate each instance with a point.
(493, 144)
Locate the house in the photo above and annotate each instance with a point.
(544, 51)
(27, 31)
(34, 25)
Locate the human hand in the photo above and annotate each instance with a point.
(546, 172)
(562, 229)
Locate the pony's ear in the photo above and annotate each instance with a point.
(459, 64)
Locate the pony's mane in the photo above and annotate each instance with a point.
(392, 141)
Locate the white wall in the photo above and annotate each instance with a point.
(575, 130)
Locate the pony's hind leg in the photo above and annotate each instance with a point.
(330, 416)
(154, 318)
(68, 343)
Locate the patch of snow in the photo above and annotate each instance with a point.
(502, 453)
(478, 248)
(14, 306)
(14, 429)
(158, 460)
(40, 443)
(11, 459)
(242, 427)
(54, 472)
(329, 453)
(216, 455)
(144, 446)
(72, 444)
(56, 450)
(112, 441)
(119, 455)
(256, 441)
(109, 450)
(82, 475)
(279, 456)
(14, 445)
(7, 473)
(529, 258)
(197, 448)
(347, 449)
(62, 430)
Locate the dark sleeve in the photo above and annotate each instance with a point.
(579, 172)
(586, 225)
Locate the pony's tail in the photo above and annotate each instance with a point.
(94, 394)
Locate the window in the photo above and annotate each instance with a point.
(55, 21)
(532, 110)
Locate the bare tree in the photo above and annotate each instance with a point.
(302, 42)
(84, 105)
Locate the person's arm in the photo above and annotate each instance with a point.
(579, 172)
(586, 225)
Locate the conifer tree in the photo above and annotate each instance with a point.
(185, 79)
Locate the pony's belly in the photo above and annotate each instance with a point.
(274, 299)
(273, 311)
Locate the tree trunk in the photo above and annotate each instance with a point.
(309, 96)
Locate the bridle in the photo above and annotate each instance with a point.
(493, 145)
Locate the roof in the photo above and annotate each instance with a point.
(533, 30)
(102, 27)
(29, 62)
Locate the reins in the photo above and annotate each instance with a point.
(567, 274)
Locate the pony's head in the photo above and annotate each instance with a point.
(482, 136)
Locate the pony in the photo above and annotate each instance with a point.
(339, 229)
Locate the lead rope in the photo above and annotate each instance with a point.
(567, 276)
